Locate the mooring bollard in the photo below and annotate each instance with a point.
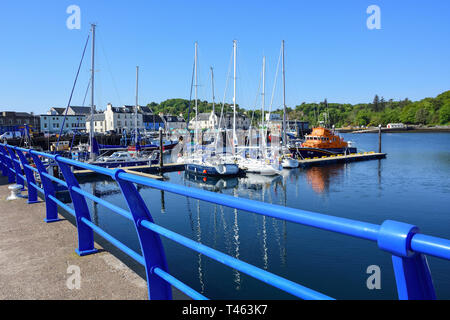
(161, 150)
(379, 138)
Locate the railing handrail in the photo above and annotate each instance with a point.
(402, 240)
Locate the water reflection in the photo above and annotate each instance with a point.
(320, 178)
(227, 225)
(199, 239)
(211, 183)
(237, 275)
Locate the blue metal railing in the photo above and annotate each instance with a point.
(407, 246)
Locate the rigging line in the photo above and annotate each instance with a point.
(275, 83)
(87, 90)
(224, 97)
(71, 94)
(190, 98)
(256, 99)
(109, 69)
(226, 88)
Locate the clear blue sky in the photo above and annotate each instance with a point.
(330, 53)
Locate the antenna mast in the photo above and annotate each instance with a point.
(284, 100)
(136, 108)
(234, 96)
(91, 127)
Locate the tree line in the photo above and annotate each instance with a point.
(428, 111)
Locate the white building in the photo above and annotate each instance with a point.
(204, 121)
(52, 123)
(396, 126)
(174, 122)
(116, 119)
(122, 118)
(75, 120)
(98, 122)
(211, 121)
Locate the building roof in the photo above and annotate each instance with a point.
(170, 118)
(145, 110)
(81, 110)
(97, 117)
(59, 111)
(151, 118)
(124, 109)
(202, 117)
(17, 114)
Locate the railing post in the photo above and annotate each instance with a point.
(3, 166)
(412, 273)
(49, 190)
(151, 245)
(29, 174)
(8, 164)
(85, 233)
(17, 167)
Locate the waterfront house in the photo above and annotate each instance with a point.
(11, 121)
(152, 122)
(122, 118)
(173, 122)
(55, 119)
(211, 121)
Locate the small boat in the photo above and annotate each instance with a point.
(124, 159)
(288, 162)
(322, 142)
(210, 166)
(265, 167)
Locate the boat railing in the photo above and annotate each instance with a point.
(408, 247)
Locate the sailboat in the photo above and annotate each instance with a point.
(118, 158)
(260, 163)
(199, 162)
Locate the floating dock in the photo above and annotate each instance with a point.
(362, 156)
(153, 171)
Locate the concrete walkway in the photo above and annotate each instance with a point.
(35, 256)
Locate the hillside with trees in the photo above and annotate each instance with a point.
(428, 111)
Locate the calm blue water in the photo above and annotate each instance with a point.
(411, 185)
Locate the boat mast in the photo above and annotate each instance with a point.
(213, 97)
(284, 99)
(234, 97)
(91, 127)
(196, 94)
(262, 134)
(136, 108)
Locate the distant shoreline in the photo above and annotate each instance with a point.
(408, 129)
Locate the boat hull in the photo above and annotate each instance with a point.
(122, 164)
(214, 171)
(303, 152)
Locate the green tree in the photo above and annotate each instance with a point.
(421, 116)
(444, 113)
